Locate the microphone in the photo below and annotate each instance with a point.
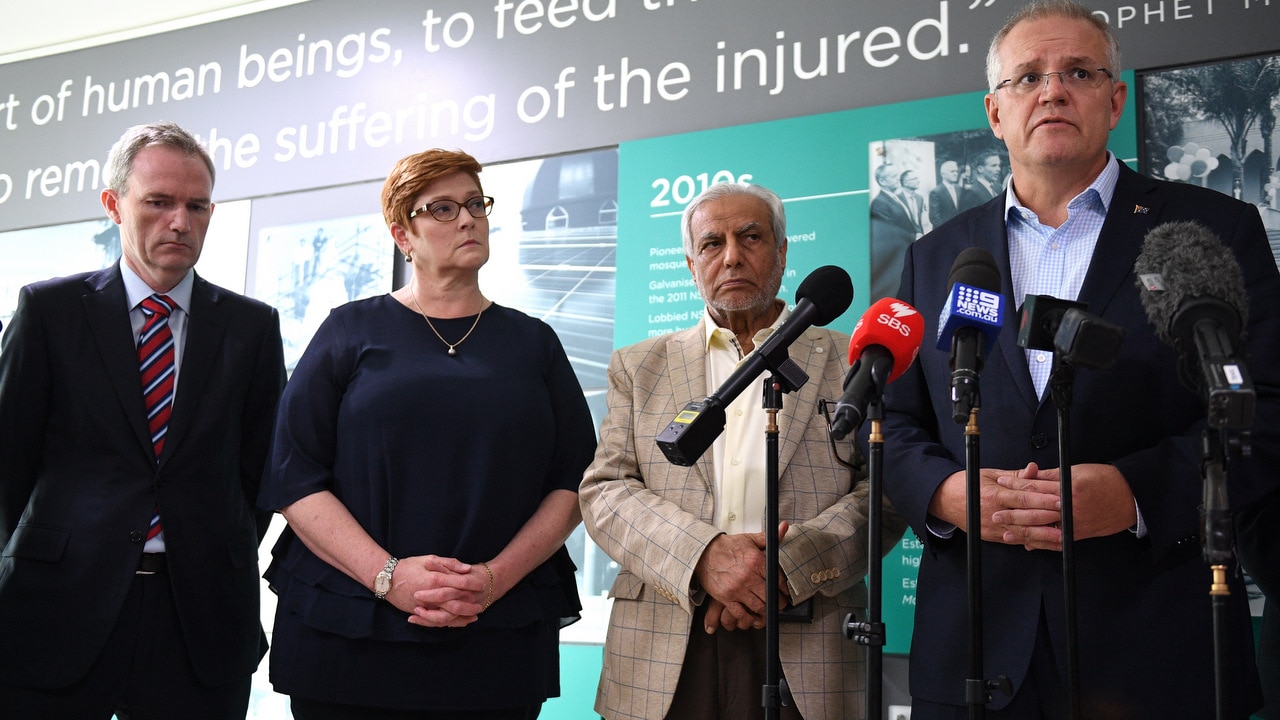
(1066, 327)
(1040, 319)
(822, 297)
(885, 342)
(1192, 289)
(974, 308)
(1086, 340)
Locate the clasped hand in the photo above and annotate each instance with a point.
(732, 572)
(1024, 507)
(439, 591)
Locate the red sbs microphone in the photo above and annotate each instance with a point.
(885, 342)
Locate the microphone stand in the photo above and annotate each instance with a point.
(976, 686)
(965, 398)
(771, 693)
(1061, 379)
(1217, 550)
(871, 633)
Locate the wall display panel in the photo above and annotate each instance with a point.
(553, 235)
(1215, 126)
(225, 256)
(311, 252)
(327, 92)
(824, 168)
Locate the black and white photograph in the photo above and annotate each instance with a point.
(1215, 126)
(919, 183)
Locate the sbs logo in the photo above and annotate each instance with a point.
(894, 320)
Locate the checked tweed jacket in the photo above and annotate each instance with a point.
(654, 519)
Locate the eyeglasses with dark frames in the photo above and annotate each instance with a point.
(447, 210)
(1029, 83)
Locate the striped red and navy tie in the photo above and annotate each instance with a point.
(155, 359)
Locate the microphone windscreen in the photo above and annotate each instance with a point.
(894, 325)
(830, 290)
(1181, 261)
(975, 267)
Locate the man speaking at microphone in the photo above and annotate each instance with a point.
(1071, 225)
(686, 636)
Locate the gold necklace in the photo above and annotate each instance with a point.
(452, 351)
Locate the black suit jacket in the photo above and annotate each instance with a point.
(1145, 627)
(976, 194)
(892, 230)
(941, 207)
(78, 477)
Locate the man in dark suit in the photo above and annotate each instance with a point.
(1145, 621)
(129, 579)
(892, 230)
(909, 191)
(945, 196)
(988, 172)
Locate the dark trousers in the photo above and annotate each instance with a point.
(304, 709)
(722, 676)
(143, 672)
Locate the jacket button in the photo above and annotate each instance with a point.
(137, 536)
(1039, 441)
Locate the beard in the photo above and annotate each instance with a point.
(759, 301)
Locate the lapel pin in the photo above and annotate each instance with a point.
(1141, 210)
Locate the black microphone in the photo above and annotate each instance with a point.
(1066, 327)
(822, 297)
(1193, 293)
(974, 309)
(1039, 319)
(1087, 341)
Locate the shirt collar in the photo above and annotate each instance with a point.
(710, 327)
(137, 289)
(1103, 188)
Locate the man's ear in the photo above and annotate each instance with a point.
(111, 203)
(992, 104)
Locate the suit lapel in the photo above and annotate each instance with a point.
(793, 419)
(1135, 209)
(107, 312)
(687, 368)
(989, 229)
(206, 325)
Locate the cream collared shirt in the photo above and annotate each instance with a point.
(738, 454)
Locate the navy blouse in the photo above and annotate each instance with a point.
(431, 454)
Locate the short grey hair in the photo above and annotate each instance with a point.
(139, 137)
(1040, 9)
(777, 216)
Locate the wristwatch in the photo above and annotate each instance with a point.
(382, 583)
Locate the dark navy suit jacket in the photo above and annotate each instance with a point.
(1145, 629)
(78, 477)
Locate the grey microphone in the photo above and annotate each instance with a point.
(1193, 292)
